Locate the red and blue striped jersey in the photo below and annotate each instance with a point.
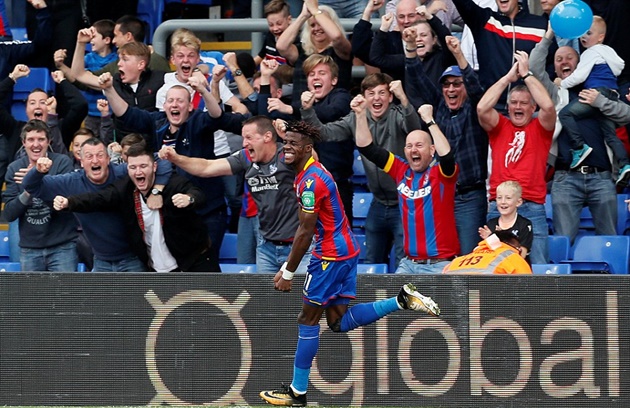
(427, 206)
(317, 193)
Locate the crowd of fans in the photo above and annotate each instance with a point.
(460, 139)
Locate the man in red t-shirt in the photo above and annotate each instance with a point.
(520, 144)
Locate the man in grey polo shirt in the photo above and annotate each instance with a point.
(270, 182)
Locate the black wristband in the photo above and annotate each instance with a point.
(408, 50)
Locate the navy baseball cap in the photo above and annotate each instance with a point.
(453, 70)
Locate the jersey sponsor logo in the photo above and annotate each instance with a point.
(261, 183)
(515, 151)
(308, 199)
(413, 194)
(309, 182)
(325, 265)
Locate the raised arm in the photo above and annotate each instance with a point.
(77, 71)
(244, 87)
(442, 147)
(196, 166)
(285, 43)
(118, 104)
(488, 116)
(340, 42)
(201, 86)
(538, 62)
(363, 135)
(547, 109)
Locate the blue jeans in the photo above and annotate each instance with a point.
(270, 257)
(575, 110)
(470, 214)
(14, 240)
(131, 264)
(539, 253)
(408, 266)
(383, 227)
(346, 8)
(59, 258)
(248, 237)
(572, 190)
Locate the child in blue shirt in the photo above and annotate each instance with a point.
(101, 55)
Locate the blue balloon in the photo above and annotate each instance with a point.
(571, 18)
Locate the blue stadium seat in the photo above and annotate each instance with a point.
(372, 268)
(19, 33)
(5, 246)
(587, 226)
(38, 78)
(227, 253)
(558, 248)
(360, 206)
(237, 268)
(361, 240)
(551, 269)
(359, 179)
(622, 213)
(10, 267)
(601, 253)
(549, 213)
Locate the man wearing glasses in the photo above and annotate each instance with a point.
(455, 101)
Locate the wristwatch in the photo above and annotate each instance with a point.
(529, 73)
(191, 199)
(238, 72)
(155, 191)
(431, 123)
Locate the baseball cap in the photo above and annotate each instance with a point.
(453, 70)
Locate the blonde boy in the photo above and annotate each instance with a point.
(509, 198)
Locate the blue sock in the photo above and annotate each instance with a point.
(308, 343)
(366, 313)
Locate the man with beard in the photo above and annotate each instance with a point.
(190, 131)
(173, 238)
(589, 184)
(104, 230)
